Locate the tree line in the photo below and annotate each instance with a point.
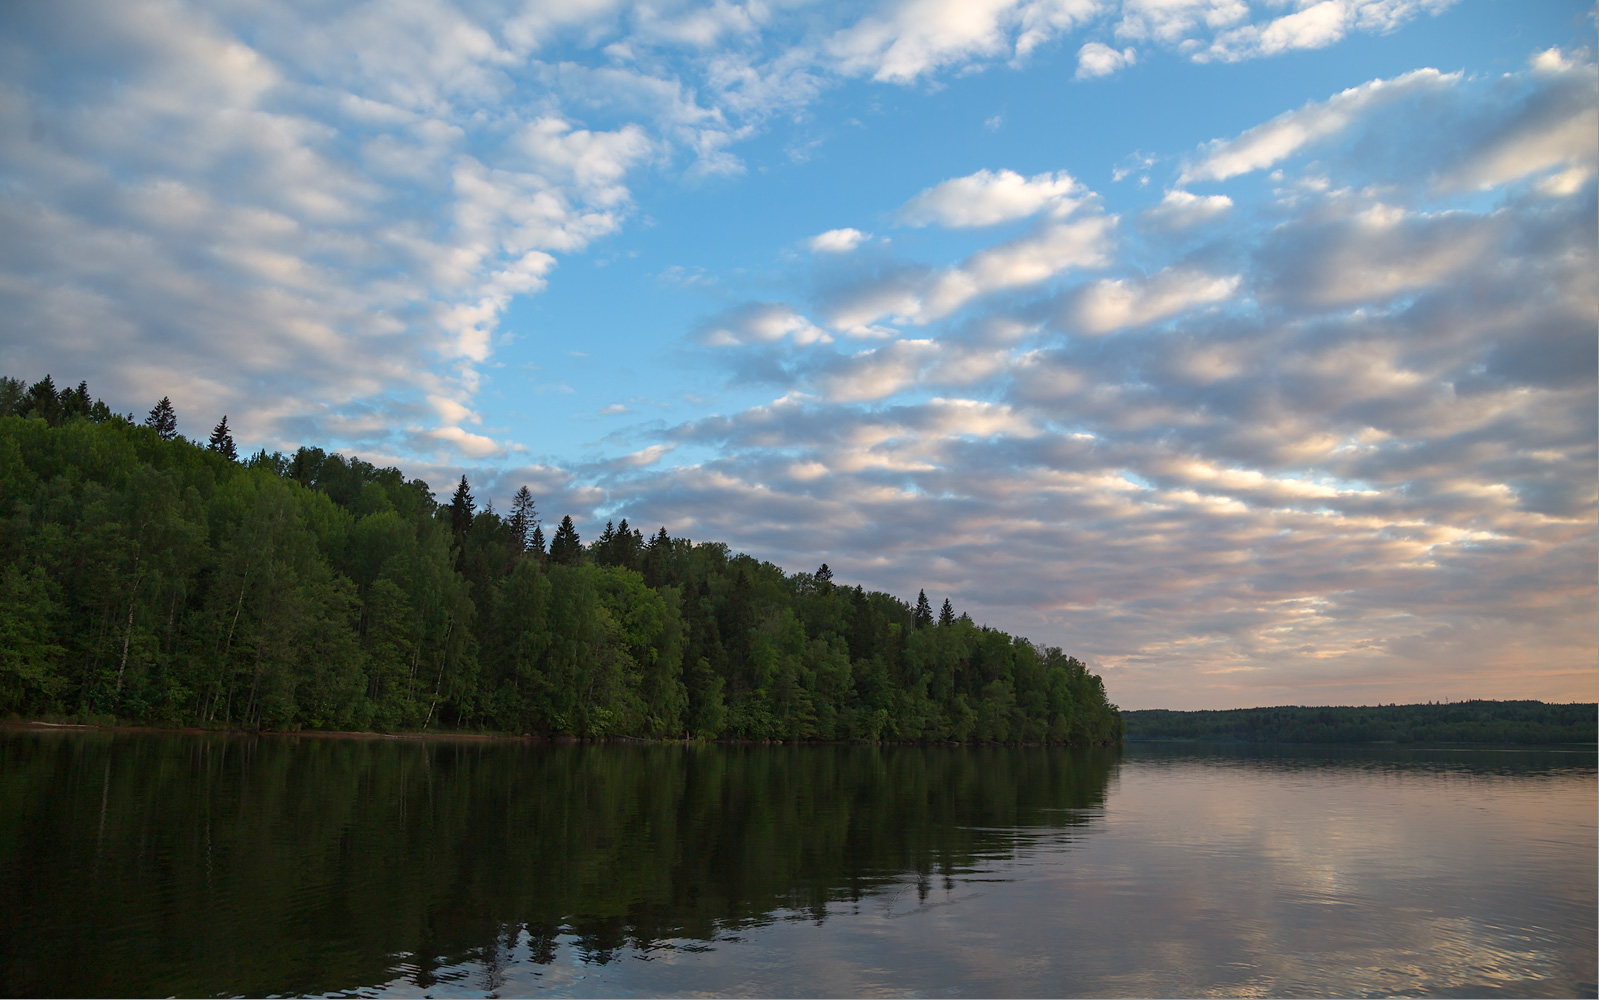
(1527, 722)
(147, 577)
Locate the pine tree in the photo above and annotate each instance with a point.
(566, 548)
(462, 509)
(43, 401)
(604, 553)
(625, 547)
(824, 577)
(535, 545)
(924, 611)
(524, 518)
(946, 614)
(655, 558)
(164, 419)
(222, 441)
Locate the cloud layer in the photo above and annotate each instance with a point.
(1312, 418)
(1345, 451)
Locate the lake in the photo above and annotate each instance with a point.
(159, 864)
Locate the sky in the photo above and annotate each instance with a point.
(1245, 349)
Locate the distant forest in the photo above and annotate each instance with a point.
(1451, 722)
(150, 578)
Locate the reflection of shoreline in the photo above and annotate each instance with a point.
(438, 844)
(1476, 759)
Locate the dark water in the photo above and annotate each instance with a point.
(157, 865)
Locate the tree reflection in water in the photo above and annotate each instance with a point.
(160, 864)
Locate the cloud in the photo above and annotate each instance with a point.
(1053, 249)
(1097, 59)
(1268, 144)
(1315, 27)
(877, 373)
(760, 323)
(1313, 455)
(988, 197)
(1180, 211)
(837, 241)
(1101, 307)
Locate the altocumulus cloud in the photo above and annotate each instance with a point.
(1344, 443)
(1347, 453)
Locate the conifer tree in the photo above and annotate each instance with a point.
(462, 509)
(603, 549)
(923, 616)
(43, 401)
(524, 518)
(566, 548)
(824, 577)
(77, 402)
(946, 614)
(535, 545)
(164, 419)
(222, 441)
(625, 546)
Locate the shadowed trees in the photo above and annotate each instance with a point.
(147, 577)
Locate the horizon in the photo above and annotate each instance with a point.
(1246, 352)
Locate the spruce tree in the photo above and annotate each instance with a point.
(625, 546)
(923, 616)
(462, 509)
(604, 549)
(535, 545)
(164, 419)
(524, 518)
(946, 614)
(222, 441)
(566, 548)
(824, 578)
(43, 401)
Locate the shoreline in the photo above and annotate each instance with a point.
(340, 734)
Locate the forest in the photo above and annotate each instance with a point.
(149, 578)
(1526, 722)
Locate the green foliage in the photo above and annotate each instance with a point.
(1531, 722)
(150, 578)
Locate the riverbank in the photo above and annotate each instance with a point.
(36, 725)
(1491, 722)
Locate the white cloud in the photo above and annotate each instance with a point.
(837, 241)
(1268, 144)
(1180, 211)
(1104, 306)
(1029, 260)
(760, 323)
(877, 373)
(1097, 59)
(915, 37)
(989, 197)
(1316, 26)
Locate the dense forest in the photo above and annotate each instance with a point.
(150, 578)
(1529, 722)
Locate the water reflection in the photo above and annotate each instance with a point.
(154, 864)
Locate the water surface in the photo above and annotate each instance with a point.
(150, 864)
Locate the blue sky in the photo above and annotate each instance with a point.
(1246, 350)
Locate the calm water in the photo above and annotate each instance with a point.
(156, 864)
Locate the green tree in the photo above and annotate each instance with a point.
(462, 508)
(163, 418)
(946, 614)
(566, 548)
(524, 520)
(222, 441)
(924, 611)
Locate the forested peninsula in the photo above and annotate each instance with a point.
(147, 578)
(1524, 722)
